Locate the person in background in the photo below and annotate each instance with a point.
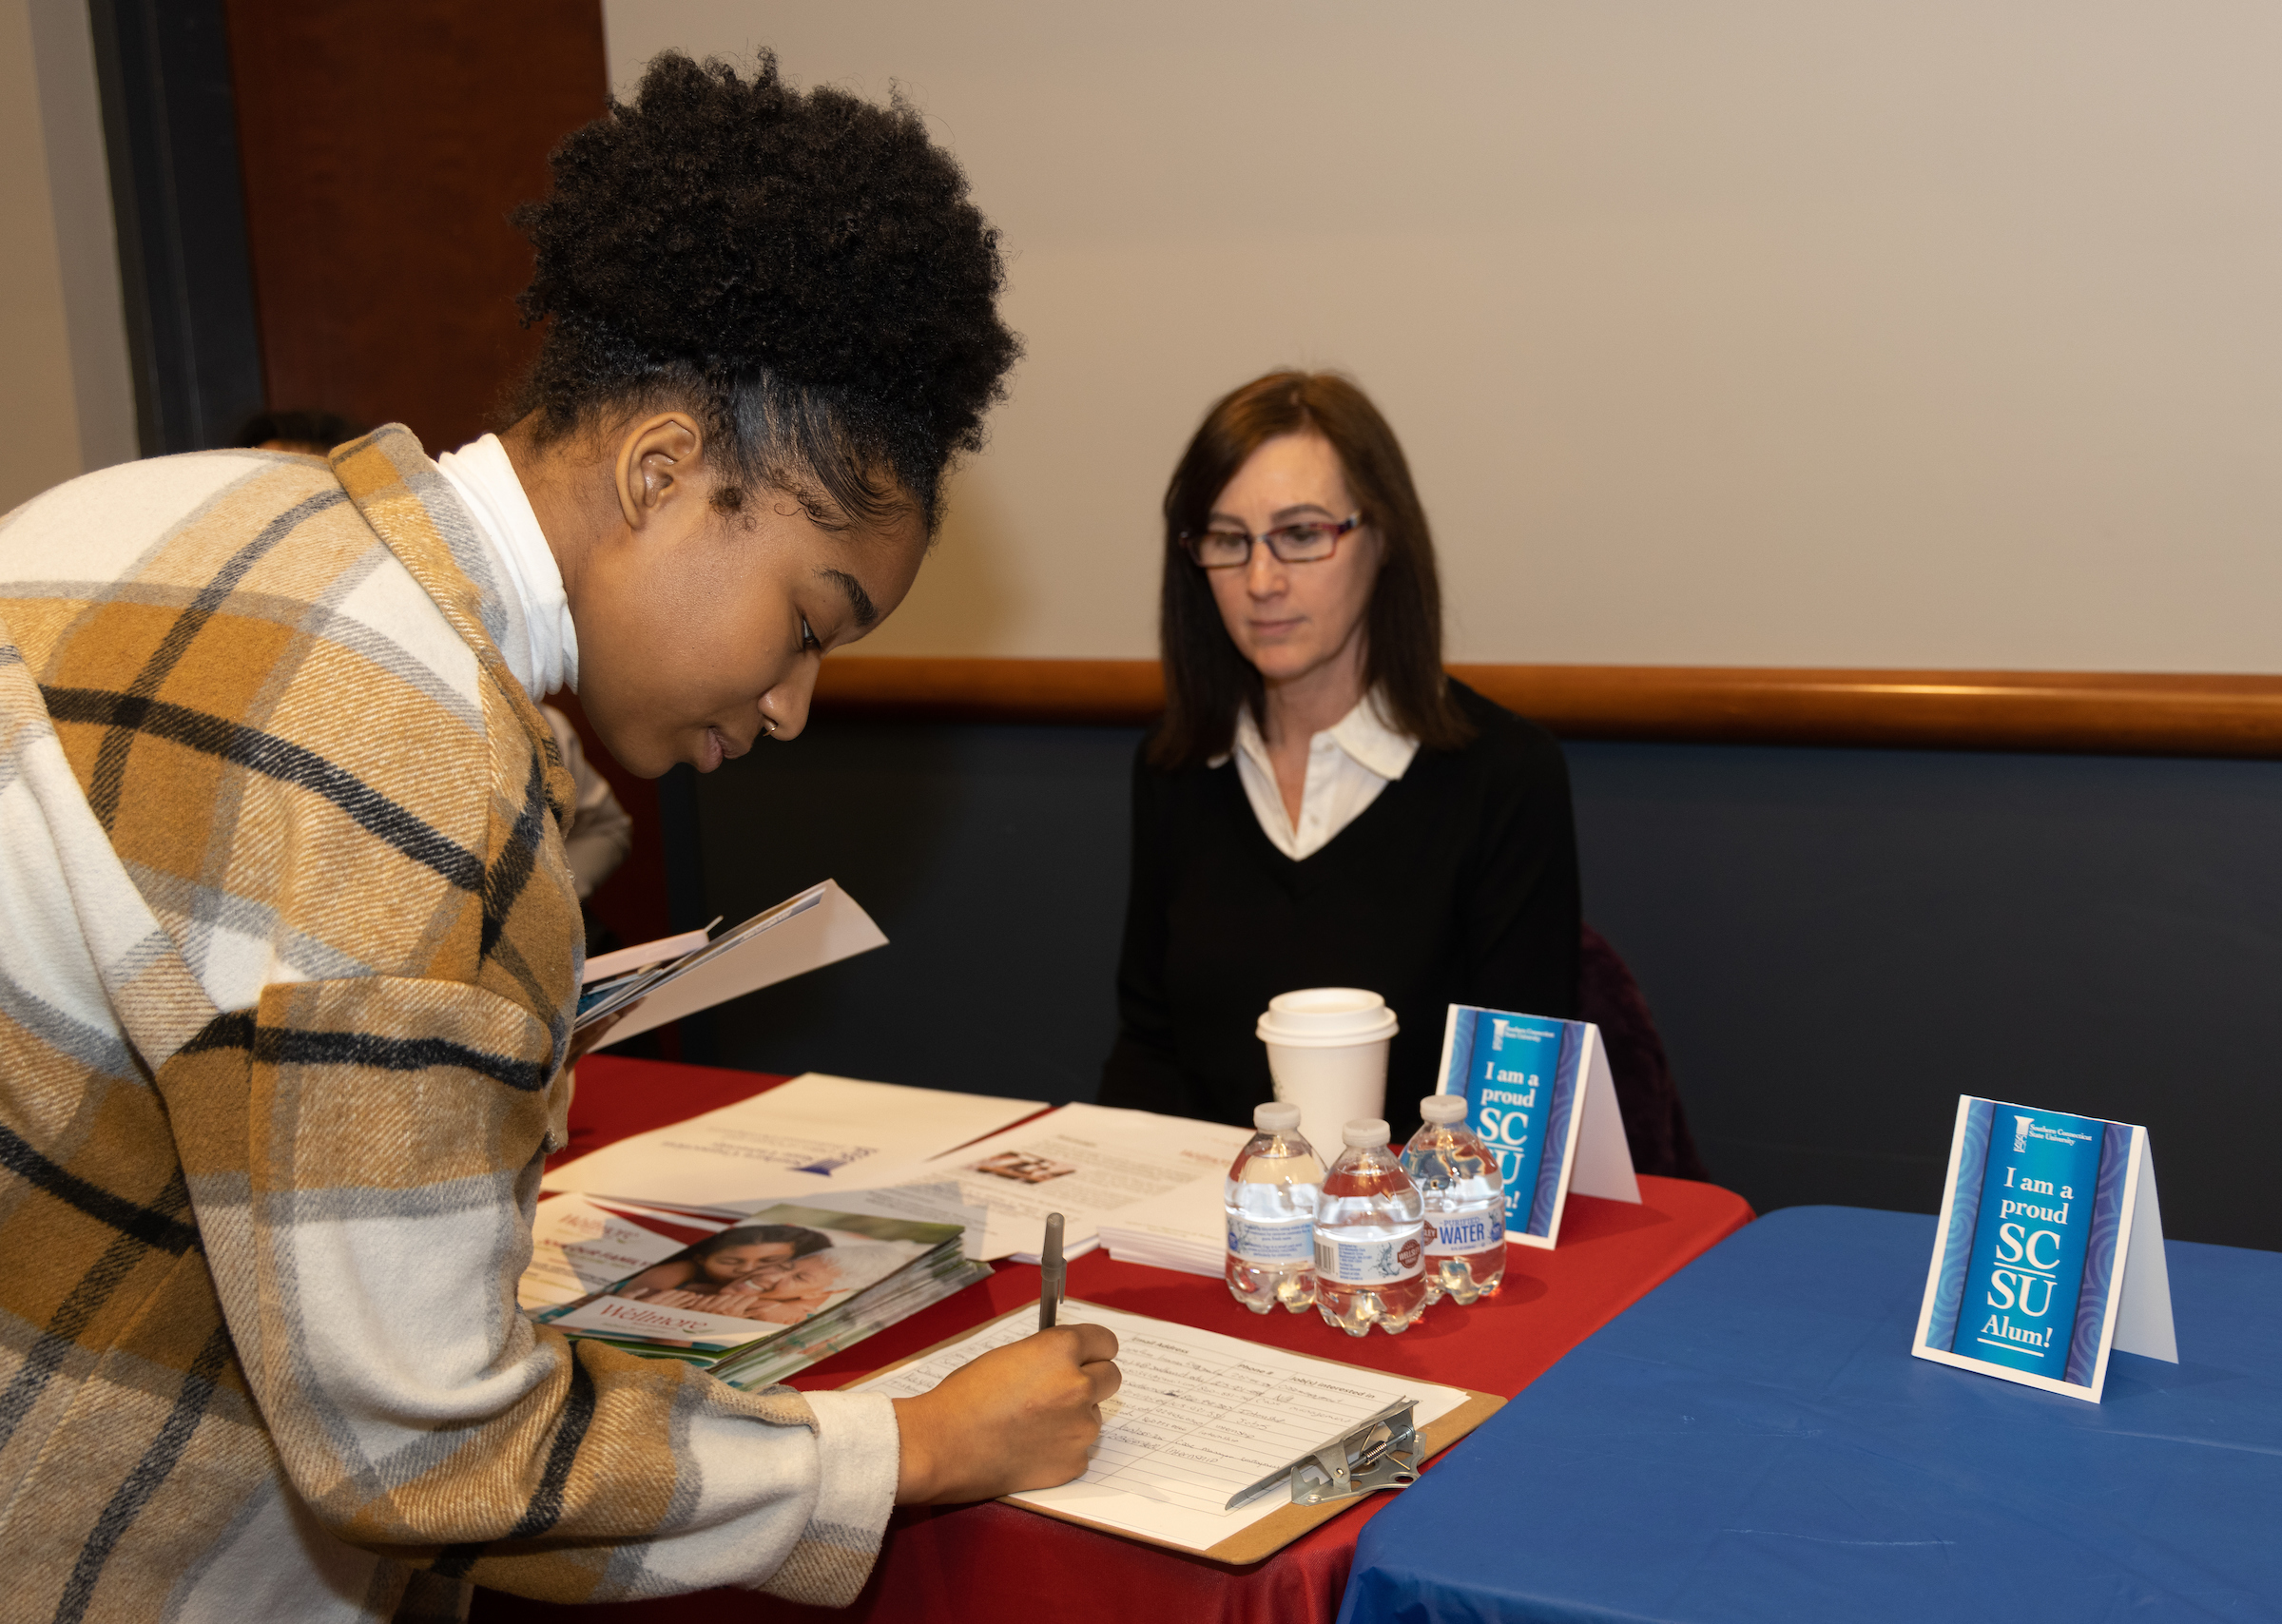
(303, 433)
(287, 983)
(1322, 806)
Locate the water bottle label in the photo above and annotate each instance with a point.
(1449, 1233)
(1271, 1240)
(1369, 1262)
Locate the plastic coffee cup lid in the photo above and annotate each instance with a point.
(1364, 1133)
(1275, 1117)
(1326, 1018)
(1444, 1107)
(1327, 1012)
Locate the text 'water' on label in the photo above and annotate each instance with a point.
(1448, 1234)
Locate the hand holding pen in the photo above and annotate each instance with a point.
(1020, 1417)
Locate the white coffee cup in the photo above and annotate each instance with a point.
(1327, 1051)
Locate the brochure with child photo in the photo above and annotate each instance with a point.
(812, 1279)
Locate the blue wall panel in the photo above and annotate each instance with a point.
(1839, 942)
(994, 859)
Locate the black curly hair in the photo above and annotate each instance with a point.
(802, 269)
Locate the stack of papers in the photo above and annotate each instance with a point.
(803, 1141)
(765, 1295)
(1184, 1229)
(579, 1246)
(1092, 1164)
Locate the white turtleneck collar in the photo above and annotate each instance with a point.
(541, 644)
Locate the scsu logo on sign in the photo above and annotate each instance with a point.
(2038, 1252)
(1411, 1254)
(1504, 1126)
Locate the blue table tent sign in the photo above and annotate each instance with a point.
(2049, 1252)
(1539, 1095)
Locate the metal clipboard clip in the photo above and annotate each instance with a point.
(1382, 1453)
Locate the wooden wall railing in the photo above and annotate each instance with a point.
(2092, 713)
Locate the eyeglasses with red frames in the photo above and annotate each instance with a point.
(1309, 543)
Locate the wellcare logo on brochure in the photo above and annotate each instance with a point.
(2036, 1236)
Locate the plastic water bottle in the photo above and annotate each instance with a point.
(1272, 1190)
(1457, 1178)
(1369, 1242)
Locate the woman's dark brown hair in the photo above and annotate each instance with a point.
(1205, 678)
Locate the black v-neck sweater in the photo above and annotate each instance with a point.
(1458, 884)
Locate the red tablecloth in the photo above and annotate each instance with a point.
(988, 1562)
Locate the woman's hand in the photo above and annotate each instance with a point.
(1021, 1417)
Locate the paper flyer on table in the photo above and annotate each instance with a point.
(1539, 1095)
(813, 1135)
(1085, 1162)
(1200, 1416)
(2049, 1251)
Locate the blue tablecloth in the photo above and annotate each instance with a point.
(1752, 1441)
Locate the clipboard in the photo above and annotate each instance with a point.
(1264, 1537)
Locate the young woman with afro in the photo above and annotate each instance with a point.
(285, 998)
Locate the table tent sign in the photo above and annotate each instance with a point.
(1539, 1095)
(2049, 1251)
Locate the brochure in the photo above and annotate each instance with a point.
(682, 975)
(774, 1292)
(579, 1245)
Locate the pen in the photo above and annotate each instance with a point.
(1052, 1273)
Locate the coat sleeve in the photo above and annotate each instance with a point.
(364, 1153)
(362, 1157)
(1143, 1071)
(1521, 920)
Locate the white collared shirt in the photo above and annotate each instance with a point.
(1348, 764)
(541, 644)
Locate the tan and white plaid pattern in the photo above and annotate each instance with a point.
(285, 975)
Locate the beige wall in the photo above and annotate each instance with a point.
(1754, 332)
(68, 401)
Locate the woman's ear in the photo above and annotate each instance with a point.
(657, 465)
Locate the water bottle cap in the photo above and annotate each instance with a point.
(1364, 1133)
(1275, 1117)
(1444, 1107)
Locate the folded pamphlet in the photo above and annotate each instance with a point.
(820, 926)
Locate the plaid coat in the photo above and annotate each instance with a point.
(285, 978)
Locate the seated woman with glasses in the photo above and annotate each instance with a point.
(1322, 807)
